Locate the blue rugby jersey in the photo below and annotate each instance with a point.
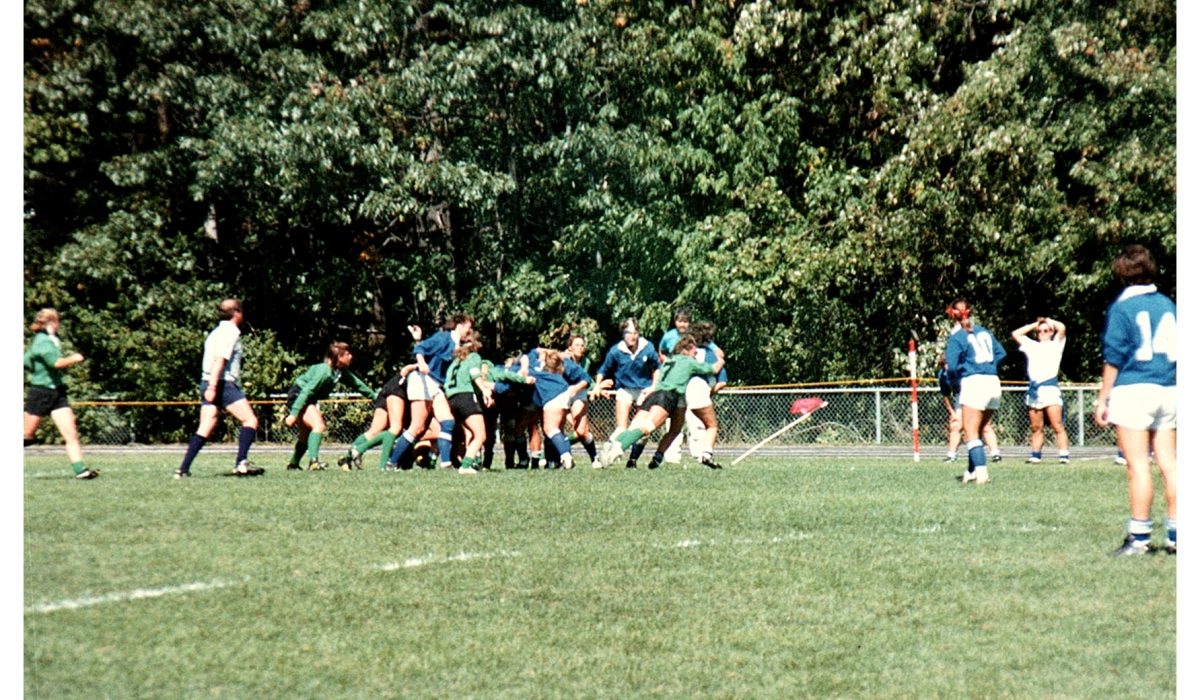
(977, 352)
(438, 351)
(630, 370)
(1139, 337)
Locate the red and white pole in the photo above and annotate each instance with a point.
(912, 374)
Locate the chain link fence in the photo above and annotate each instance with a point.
(853, 416)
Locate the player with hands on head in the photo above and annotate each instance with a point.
(1044, 398)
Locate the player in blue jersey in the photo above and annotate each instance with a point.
(1044, 398)
(972, 357)
(558, 381)
(424, 388)
(683, 322)
(576, 353)
(949, 392)
(1137, 392)
(630, 364)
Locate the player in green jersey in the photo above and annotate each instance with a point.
(47, 395)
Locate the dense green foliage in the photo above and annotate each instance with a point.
(820, 178)
(783, 578)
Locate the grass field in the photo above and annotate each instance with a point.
(781, 578)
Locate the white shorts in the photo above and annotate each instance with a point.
(560, 402)
(1046, 396)
(1142, 407)
(421, 387)
(627, 396)
(981, 392)
(698, 393)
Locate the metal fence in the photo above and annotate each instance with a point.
(853, 416)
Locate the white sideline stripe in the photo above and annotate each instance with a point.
(124, 596)
(778, 539)
(413, 562)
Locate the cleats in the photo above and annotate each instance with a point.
(1169, 547)
(180, 474)
(597, 464)
(631, 464)
(708, 461)
(317, 466)
(997, 457)
(390, 467)
(610, 453)
(87, 474)
(1131, 547)
(967, 477)
(1120, 461)
(345, 463)
(568, 462)
(949, 458)
(468, 470)
(245, 468)
(1034, 460)
(293, 467)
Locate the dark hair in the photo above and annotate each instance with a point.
(227, 308)
(455, 319)
(685, 344)
(336, 350)
(1135, 265)
(683, 313)
(627, 323)
(703, 332)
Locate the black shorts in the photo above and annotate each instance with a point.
(394, 387)
(293, 394)
(462, 406)
(42, 401)
(666, 399)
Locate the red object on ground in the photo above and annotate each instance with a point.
(805, 406)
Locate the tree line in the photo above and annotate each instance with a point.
(818, 178)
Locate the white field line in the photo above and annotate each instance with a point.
(414, 562)
(125, 596)
(778, 539)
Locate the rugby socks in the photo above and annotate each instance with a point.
(194, 444)
(314, 444)
(559, 442)
(445, 441)
(589, 446)
(1035, 457)
(1140, 531)
(77, 467)
(629, 438)
(403, 444)
(1064, 457)
(386, 440)
(245, 439)
(510, 453)
(1169, 524)
(636, 451)
(656, 460)
(976, 457)
(298, 452)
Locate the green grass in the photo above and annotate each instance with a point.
(778, 578)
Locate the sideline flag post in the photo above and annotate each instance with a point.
(803, 407)
(912, 375)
